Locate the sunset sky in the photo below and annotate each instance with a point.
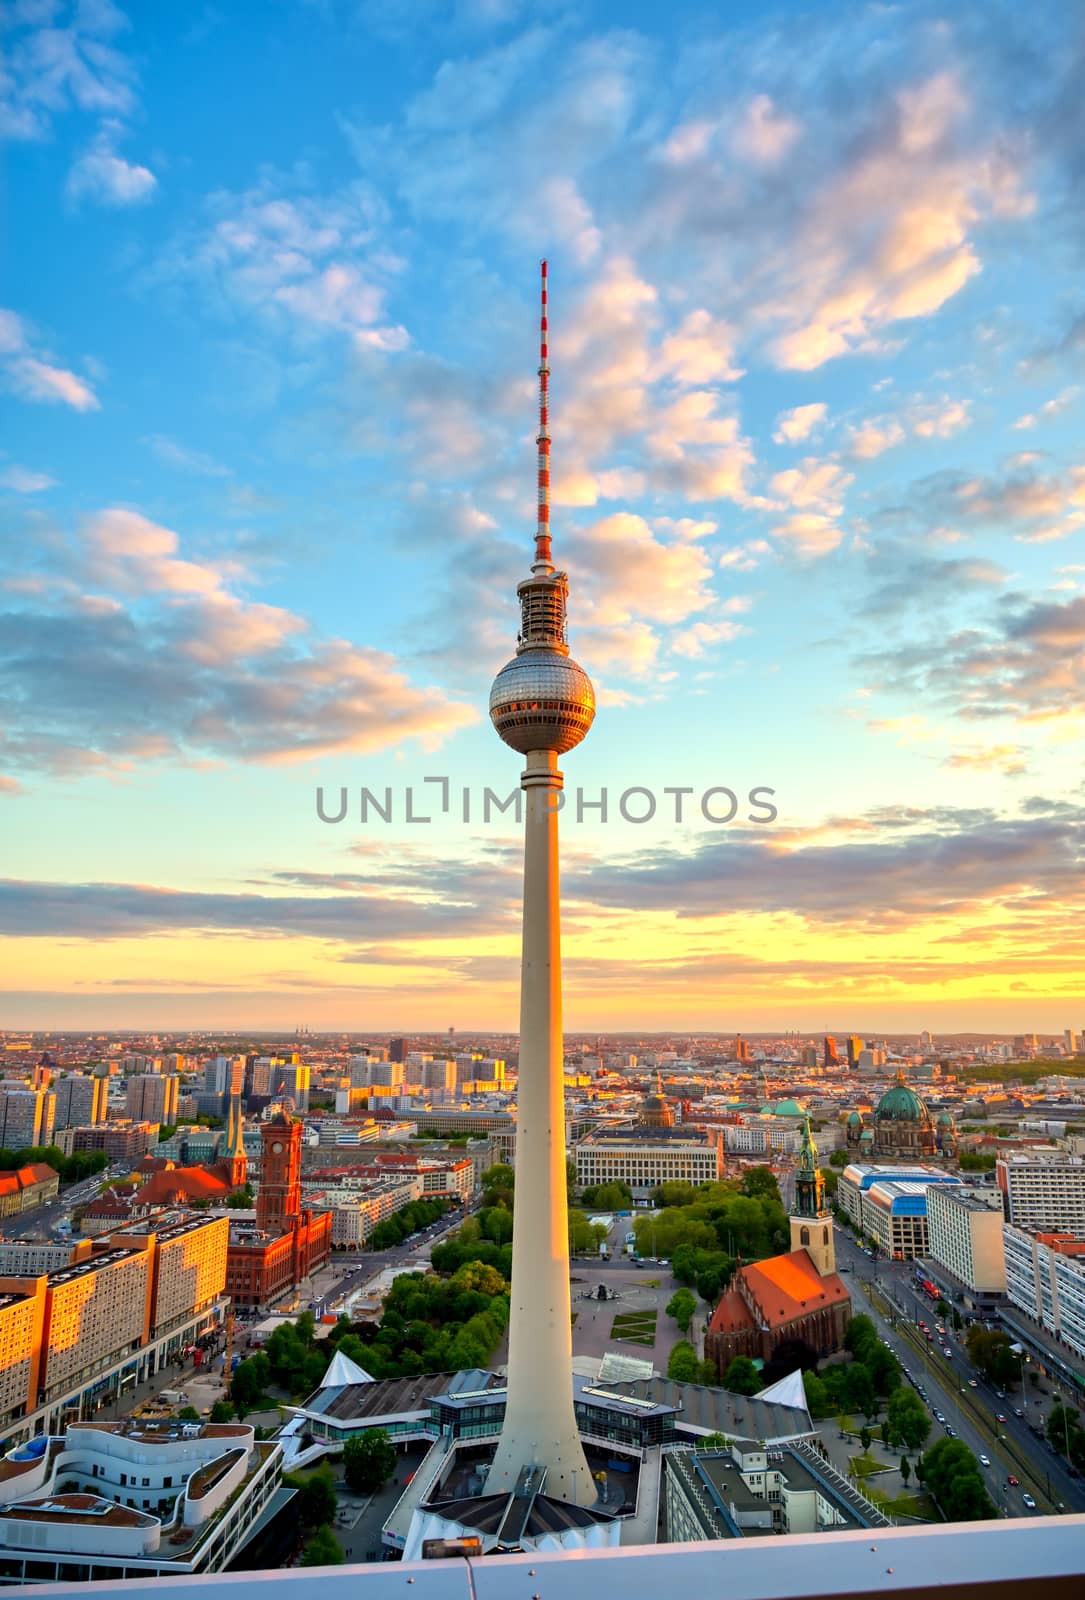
(268, 335)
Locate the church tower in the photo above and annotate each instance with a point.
(811, 1223)
(278, 1200)
(234, 1155)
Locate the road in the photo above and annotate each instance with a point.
(42, 1221)
(971, 1412)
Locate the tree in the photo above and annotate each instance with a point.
(188, 1414)
(249, 1380)
(1065, 1432)
(742, 1377)
(241, 1199)
(839, 1158)
(953, 1476)
(316, 1497)
(905, 1470)
(865, 1438)
(758, 1181)
(222, 1411)
(708, 1374)
(908, 1421)
(831, 1178)
(682, 1365)
(958, 1320)
(681, 1307)
(322, 1549)
(369, 1460)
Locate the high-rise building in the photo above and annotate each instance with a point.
(80, 1101)
(742, 1048)
(1043, 1192)
(1070, 1041)
(439, 1074)
(26, 1117)
(542, 704)
(831, 1059)
(964, 1235)
(397, 1049)
(291, 1080)
(854, 1046)
(1045, 1276)
(152, 1098)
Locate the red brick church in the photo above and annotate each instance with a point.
(798, 1295)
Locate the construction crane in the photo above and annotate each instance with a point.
(228, 1358)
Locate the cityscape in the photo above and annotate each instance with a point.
(543, 1040)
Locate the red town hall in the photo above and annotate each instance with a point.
(266, 1258)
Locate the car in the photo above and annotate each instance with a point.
(1002, 1417)
(972, 1384)
(951, 1433)
(1017, 1411)
(1028, 1502)
(985, 1461)
(930, 1337)
(938, 1417)
(1011, 1480)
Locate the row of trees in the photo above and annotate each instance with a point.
(952, 1475)
(401, 1224)
(702, 1229)
(1065, 1432)
(990, 1351)
(71, 1169)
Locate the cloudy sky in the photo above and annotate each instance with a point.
(267, 375)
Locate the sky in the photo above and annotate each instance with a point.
(268, 342)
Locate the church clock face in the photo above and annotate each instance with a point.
(276, 1149)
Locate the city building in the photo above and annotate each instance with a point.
(964, 1238)
(80, 1100)
(1045, 1278)
(152, 1097)
(1043, 1191)
(28, 1258)
(26, 1116)
(748, 1490)
(121, 1140)
(903, 1127)
(27, 1187)
(286, 1241)
(857, 1178)
(115, 1501)
(644, 1157)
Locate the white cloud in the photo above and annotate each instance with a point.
(799, 423)
(24, 481)
(30, 375)
(764, 135)
(101, 175)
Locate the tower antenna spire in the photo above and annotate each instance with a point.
(542, 531)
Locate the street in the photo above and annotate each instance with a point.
(896, 1309)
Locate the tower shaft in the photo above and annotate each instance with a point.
(540, 1425)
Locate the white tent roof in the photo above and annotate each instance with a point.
(342, 1371)
(788, 1392)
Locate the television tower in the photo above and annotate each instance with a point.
(542, 704)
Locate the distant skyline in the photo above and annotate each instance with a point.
(267, 376)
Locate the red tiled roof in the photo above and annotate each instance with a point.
(189, 1183)
(732, 1315)
(787, 1287)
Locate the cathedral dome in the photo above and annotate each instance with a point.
(901, 1104)
(788, 1108)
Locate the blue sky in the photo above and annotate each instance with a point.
(267, 351)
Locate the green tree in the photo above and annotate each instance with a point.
(322, 1549)
(953, 1476)
(369, 1460)
(498, 1183)
(1065, 1432)
(905, 1470)
(188, 1414)
(681, 1307)
(249, 1380)
(708, 1374)
(865, 1438)
(831, 1179)
(839, 1158)
(908, 1421)
(682, 1364)
(742, 1377)
(316, 1497)
(241, 1199)
(757, 1181)
(222, 1411)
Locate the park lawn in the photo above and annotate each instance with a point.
(864, 1466)
(635, 1327)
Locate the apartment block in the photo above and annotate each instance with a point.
(189, 1266)
(22, 1312)
(1045, 1277)
(80, 1101)
(26, 1116)
(121, 1140)
(1043, 1191)
(152, 1098)
(646, 1159)
(964, 1233)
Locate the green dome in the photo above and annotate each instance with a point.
(901, 1104)
(945, 1120)
(789, 1108)
(853, 1116)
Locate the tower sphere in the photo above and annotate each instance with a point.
(542, 700)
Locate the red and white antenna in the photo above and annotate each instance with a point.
(542, 532)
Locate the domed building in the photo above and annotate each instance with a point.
(902, 1124)
(655, 1112)
(946, 1134)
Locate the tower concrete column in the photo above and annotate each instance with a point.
(540, 1426)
